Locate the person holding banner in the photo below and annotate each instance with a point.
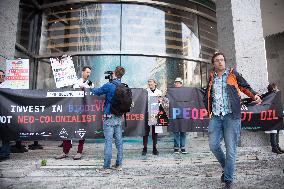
(179, 137)
(5, 148)
(274, 134)
(112, 124)
(18, 147)
(222, 100)
(152, 91)
(67, 144)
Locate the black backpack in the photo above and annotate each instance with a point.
(122, 99)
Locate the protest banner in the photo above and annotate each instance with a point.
(60, 114)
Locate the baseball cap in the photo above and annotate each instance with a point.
(178, 79)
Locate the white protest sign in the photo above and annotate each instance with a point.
(63, 71)
(17, 74)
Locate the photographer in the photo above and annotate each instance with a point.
(112, 125)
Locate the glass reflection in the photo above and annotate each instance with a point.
(164, 70)
(99, 65)
(45, 78)
(138, 70)
(103, 28)
(119, 28)
(92, 27)
(143, 29)
(208, 38)
(156, 30)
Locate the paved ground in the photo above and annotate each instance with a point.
(256, 168)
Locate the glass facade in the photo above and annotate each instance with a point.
(151, 40)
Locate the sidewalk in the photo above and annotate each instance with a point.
(256, 168)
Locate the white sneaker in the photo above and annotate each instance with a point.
(77, 156)
(103, 171)
(61, 156)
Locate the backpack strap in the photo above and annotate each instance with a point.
(125, 123)
(117, 84)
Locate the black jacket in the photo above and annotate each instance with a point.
(235, 84)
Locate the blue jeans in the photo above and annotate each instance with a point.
(112, 128)
(227, 128)
(179, 140)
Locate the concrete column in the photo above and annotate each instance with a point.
(240, 37)
(275, 59)
(9, 10)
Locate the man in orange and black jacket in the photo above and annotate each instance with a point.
(223, 102)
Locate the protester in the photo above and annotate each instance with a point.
(222, 100)
(112, 125)
(179, 136)
(152, 91)
(5, 148)
(84, 80)
(2, 78)
(18, 147)
(274, 134)
(67, 144)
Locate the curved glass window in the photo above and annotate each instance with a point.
(93, 27)
(149, 40)
(138, 70)
(156, 30)
(208, 38)
(120, 28)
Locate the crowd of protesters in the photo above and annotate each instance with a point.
(222, 101)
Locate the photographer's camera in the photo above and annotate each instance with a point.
(109, 75)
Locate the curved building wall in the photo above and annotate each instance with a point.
(151, 39)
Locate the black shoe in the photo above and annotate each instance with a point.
(228, 185)
(155, 151)
(280, 149)
(223, 177)
(3, 158)
(276, 150)
(144, 151)
(35, 147)
(176, 151)
(18, 150)
(18, 146)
